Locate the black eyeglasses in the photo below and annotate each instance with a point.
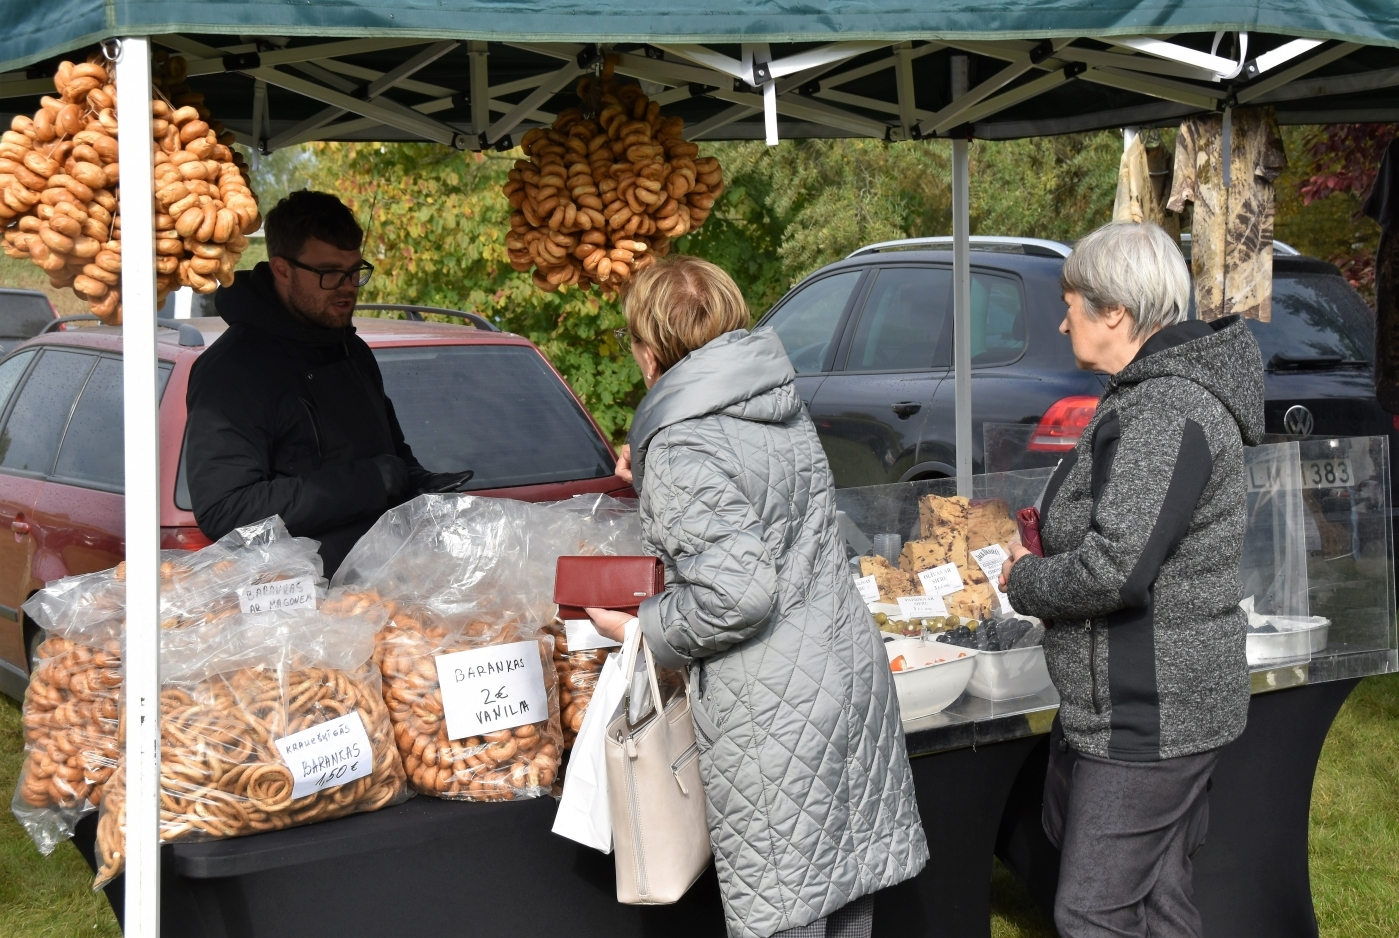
(623, 336)
(335, 279)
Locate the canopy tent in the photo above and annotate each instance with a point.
(476, 73)
(273, 90)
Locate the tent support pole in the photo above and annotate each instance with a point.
(961, 291)
(141, 656)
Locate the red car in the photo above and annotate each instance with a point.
(466, 396)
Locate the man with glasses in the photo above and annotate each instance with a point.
(287, 410)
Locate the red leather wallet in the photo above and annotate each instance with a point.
(604, 582)
(1028, 520)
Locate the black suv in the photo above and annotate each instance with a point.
(870, 338)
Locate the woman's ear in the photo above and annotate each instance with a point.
(646, 360)
(1115, 316)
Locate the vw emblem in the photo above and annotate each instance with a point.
(1297, 421)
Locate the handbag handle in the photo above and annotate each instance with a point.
(629, 650)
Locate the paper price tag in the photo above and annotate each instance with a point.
(582, 635)
(494, 688)
(868, 588)
(327, 755)
(920, 607)
(989, 559)
(296, 593)
(939, 581)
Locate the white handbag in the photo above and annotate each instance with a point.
(653, 784)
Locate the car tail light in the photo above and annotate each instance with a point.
(1062, 425)
(1394, 421)
(183, 539)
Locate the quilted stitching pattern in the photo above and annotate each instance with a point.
(810, 796)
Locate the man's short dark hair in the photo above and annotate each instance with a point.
(306, 214)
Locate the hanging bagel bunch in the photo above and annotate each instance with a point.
(58, 188)
(600, 198)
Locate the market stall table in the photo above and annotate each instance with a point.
(433, 866)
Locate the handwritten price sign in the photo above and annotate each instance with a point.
(489, 689)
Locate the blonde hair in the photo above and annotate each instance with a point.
(681, 304)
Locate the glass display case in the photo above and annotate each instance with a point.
(1317, 574)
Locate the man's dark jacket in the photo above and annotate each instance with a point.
(286, 419)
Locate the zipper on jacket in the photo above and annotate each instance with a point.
(1093, 665)
(638, 858)
(678, 766)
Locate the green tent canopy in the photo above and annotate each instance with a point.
(475, 73)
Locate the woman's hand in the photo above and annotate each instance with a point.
(623, 469)
(609, 622)
(1016, 552)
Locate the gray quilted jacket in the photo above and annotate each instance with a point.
(1143, 527)
(806, 776)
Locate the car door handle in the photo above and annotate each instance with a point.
(19, 527)
(906, 409)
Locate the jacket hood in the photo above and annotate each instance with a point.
(1220, 356)
(253, 301)
(740, 374)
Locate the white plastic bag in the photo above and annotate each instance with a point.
(583, 814)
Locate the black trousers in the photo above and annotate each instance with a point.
(1126, 832)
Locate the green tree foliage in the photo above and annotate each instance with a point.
(791, 209)
(435, 224)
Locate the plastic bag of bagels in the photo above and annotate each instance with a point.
(268, 720)
(72, 706)
(458, 573)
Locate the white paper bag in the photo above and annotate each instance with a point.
(583, 813)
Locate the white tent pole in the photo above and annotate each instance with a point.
(962, 290)
(142, 654)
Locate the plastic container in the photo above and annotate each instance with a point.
(1003, 675)
(1297, 637)
(888, 546)
(937, 674)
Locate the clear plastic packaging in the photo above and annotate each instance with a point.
(72, 707)
(459, 572)
(511, 762)
(239, 694)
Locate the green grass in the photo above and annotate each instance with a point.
(41, 897)
(1354, 841)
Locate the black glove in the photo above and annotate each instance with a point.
(394, 472)
(441, 483)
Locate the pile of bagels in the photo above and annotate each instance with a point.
(600, 198)
(59, 174)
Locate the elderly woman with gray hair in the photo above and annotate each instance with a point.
(1142, 527)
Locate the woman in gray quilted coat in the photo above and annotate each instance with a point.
(810, 797)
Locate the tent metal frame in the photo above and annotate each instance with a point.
(802, 85)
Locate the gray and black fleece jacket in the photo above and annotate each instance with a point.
(1143, 528)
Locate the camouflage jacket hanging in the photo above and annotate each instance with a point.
(1231, 252)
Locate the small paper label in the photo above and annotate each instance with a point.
(989, 559)
(939, 581)
(582, 635)
(919, 607)
(297, 593)
(494, 688)
(327, 755)
(869, 589)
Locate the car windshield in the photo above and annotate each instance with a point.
(23, 315)
(496, 409)
(1316, 316)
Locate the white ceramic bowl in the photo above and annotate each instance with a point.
(937, 674)
(1003, 675)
